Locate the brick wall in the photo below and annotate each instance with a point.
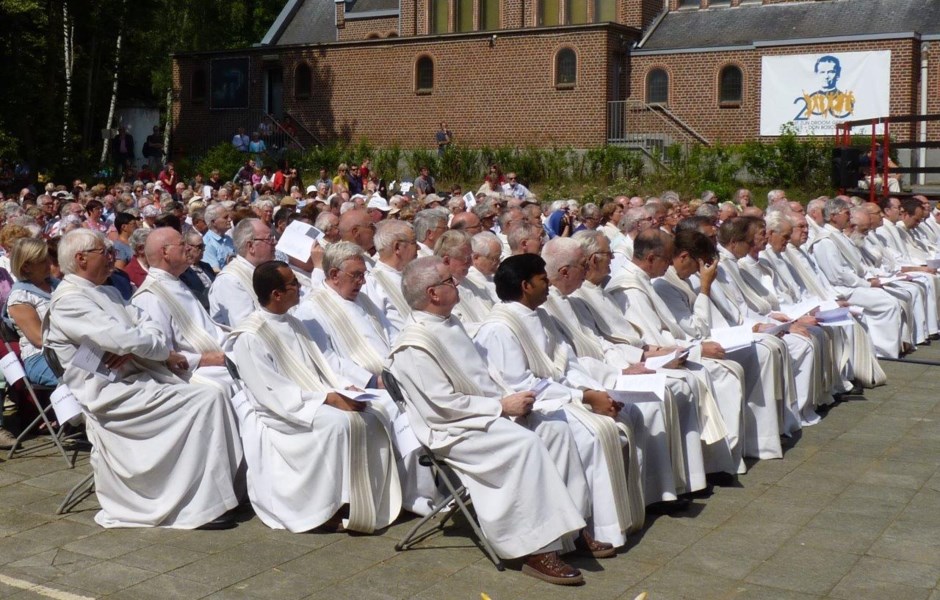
(488, 95)
(361, 29)
(693, 84)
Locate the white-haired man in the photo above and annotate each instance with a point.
(220, 248)
(165, 452)
(396, 246)
(231, 297)
(455, 249)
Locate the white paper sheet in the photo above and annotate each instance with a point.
(795, 311)
(733, 338)
(12, 368)
(659, 362)
(403, 436)
(65, 405)
(297, 240)
(90, 357)
(640, 388)
(470, 200)
(836, 315)
(778, 328)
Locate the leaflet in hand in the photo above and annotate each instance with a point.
(640, 388)
(297, 240)
(778, 328)
(733, 338)
(795, 311)
(659, 362)
(361, 396)
(470, 200)
(835, 316)
(90, 357)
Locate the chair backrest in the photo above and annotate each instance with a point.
(52, 359)
(393, 389)
(232, 369)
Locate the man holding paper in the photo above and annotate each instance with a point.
(165, 452)
(311, 446)
(231, 297)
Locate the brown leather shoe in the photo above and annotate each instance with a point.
(586, 545)
(549, 567)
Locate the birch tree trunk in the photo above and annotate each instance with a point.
(169, 122)
(114, 85)
(68, 33)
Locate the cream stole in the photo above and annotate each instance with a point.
(348, 340)
(391, 288)
(632, 277)
(631, 509)
(362, 513)
(806, 275)
(194, 334)
(584, 344)
(730, 266)
(590, 298)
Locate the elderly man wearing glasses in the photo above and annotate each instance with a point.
(231, 297)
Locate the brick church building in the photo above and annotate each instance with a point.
(577, 73)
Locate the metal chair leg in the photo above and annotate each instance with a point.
(79, 492)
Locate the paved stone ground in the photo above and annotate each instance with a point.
(851, 512)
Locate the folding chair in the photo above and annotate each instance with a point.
(458, 498)
(56, 437)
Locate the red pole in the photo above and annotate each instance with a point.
(884, 161)
(872, 169)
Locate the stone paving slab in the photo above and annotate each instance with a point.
(852, 511)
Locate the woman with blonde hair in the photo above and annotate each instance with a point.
(29, 302)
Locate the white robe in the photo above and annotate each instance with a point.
(165, 453)
(383, 287)
(298, 448)
(504, 352)
(882, 311)
(231, 297)
(154, 307)
(525, 496)
(417, 483)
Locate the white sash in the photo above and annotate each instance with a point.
(243, 272)
(590, 297)
(350, 342)
(584, 344)
(627, 279)
(394, 291)
(195, 335)
(362, 513)
(806, 275)
(631, 510)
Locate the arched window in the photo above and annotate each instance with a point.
(657, 87)
(302, 81)
(730, 85)
(424, 75)
(566, 68)
(197, 89)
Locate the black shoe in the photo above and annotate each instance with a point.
(722, 479)
(669, 508)
(226, 521)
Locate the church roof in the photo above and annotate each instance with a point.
(751, 24)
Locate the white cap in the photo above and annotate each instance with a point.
(311, 189)
(378, 202)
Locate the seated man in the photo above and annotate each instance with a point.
(165, 452)
(469, 419)
(166, 300)
(231, 297)
(312, 447)
(396, 246)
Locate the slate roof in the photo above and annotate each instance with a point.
(314, 21)
(750, 23)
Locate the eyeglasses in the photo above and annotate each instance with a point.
(607, 254)
(101, 251)
(197, 246)
(449, 281)
(268, 240)
(354, 276)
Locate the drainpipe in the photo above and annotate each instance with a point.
(922, 153)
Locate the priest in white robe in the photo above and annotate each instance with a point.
(519, 340)
(454, 248)
(170, 304)
(526, 498)
(311, 447)
(864, 368)
(165, 452)
(487, 253)
(231, 297)
(835, 259)
(599, 314)
(344, 321)
(396, 246)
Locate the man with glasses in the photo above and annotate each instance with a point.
(199, 276)
(396, 246)
(455, 249)
(165, 452)
(513, 188)
(430, 224)
(356, 226)
(319, 455)
(231, 297)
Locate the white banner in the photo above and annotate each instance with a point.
(814, 92)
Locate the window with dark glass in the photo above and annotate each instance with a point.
(576, 12)
(730, 85)
(464, 15)
(424, 75)
(198, 88)
(566, 68)
(605, 10)
(657, 87)
(549, 13)
(440, 16)
(489, 15)
(302, 81)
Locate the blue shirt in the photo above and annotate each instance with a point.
(218, 249)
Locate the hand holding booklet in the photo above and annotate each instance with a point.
(733, 338)
(659, 362)
(298, 239)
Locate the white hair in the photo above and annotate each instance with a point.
(336, 254)
(79, 240)
(558, 252)
(388, 232)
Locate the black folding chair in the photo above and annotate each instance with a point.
(457, 499)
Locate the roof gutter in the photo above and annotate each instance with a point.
(655, 24)
(280, 23)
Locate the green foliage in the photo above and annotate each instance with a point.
(608, 163)
(789, 161)
(223, 157)
(459, 164)
(386, 161)
(421, 158)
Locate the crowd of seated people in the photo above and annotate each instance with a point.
(575, 365)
